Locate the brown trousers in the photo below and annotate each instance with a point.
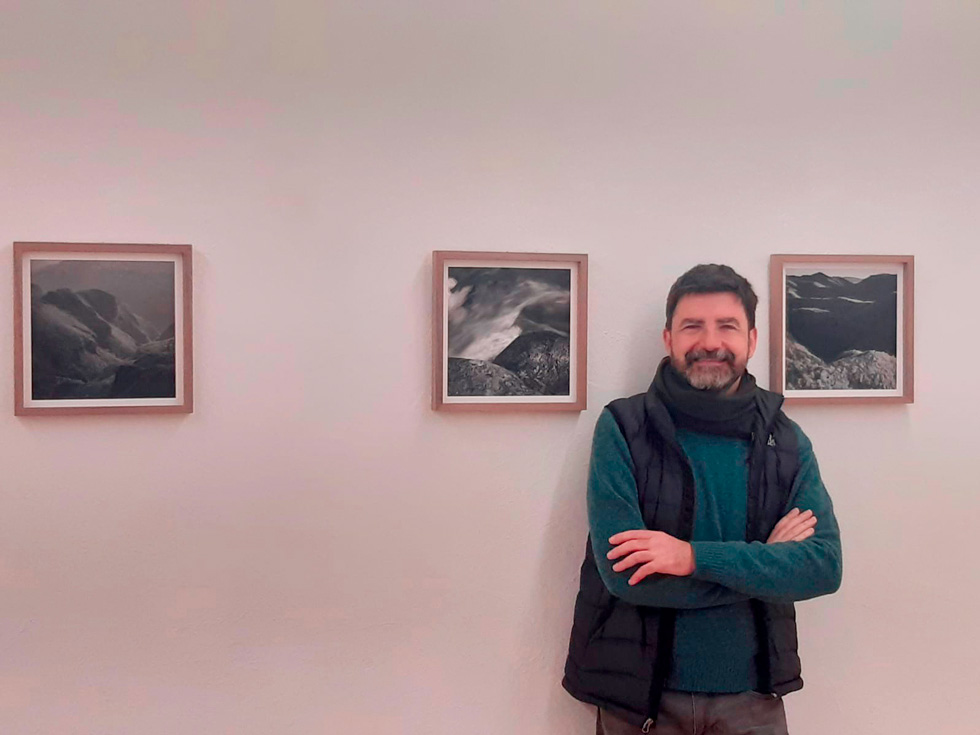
(682, 713)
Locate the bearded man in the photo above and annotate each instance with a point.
(708, 520)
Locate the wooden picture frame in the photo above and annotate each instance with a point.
(102, 328)
(509, 331)
(842, 328)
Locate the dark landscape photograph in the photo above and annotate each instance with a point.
(509, 331)
(841, 332)
(102, 329)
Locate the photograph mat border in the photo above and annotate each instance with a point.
(573, 268)
(801, 268)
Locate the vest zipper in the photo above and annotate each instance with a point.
(646, 726)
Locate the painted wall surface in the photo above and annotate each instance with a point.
(314, 550)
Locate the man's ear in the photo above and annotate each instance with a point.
(753, 340)
(667, 341)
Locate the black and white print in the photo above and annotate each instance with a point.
(842, 331)
(509, 331)
(102, 329)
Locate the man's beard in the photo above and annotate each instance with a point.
(717, 377)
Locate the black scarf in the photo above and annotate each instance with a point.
(707, 411)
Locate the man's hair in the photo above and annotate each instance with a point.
(712, 278)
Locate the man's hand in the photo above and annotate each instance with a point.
(657, 553)
(794, 526)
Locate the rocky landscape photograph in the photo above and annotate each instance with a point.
(841, 331)
(102, 329)
(509, 331)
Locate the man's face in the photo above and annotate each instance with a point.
(709, 340)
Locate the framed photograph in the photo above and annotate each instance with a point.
(102, 328)
(510, 331)
(841, 328)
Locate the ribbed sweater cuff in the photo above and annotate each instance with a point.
(710, 560)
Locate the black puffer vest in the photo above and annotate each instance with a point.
(620, 654)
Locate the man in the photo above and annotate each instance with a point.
(708, 519)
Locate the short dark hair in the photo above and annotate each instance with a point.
(712, 278)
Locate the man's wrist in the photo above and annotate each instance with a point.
(693, 562)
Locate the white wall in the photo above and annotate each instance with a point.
(314, 550)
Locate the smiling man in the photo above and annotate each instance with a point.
(708, 520)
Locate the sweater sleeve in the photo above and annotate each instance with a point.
(614, 507)
(782, 572)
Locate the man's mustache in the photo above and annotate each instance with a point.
(721, 355)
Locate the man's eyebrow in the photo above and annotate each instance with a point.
(728, 320)
(692, 321)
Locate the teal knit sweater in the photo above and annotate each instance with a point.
(715, 642)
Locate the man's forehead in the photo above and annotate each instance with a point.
(714, 307)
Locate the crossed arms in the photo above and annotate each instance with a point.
(801, 558)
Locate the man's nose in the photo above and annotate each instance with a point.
(711, 340)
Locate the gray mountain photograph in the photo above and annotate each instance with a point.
(841, 332)
(509, 331)
(102, 329)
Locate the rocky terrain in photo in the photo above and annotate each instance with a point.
(853, 370)
(534, 364)
(86, 344)
(537, 363)
(483, 378)
(540, 360)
